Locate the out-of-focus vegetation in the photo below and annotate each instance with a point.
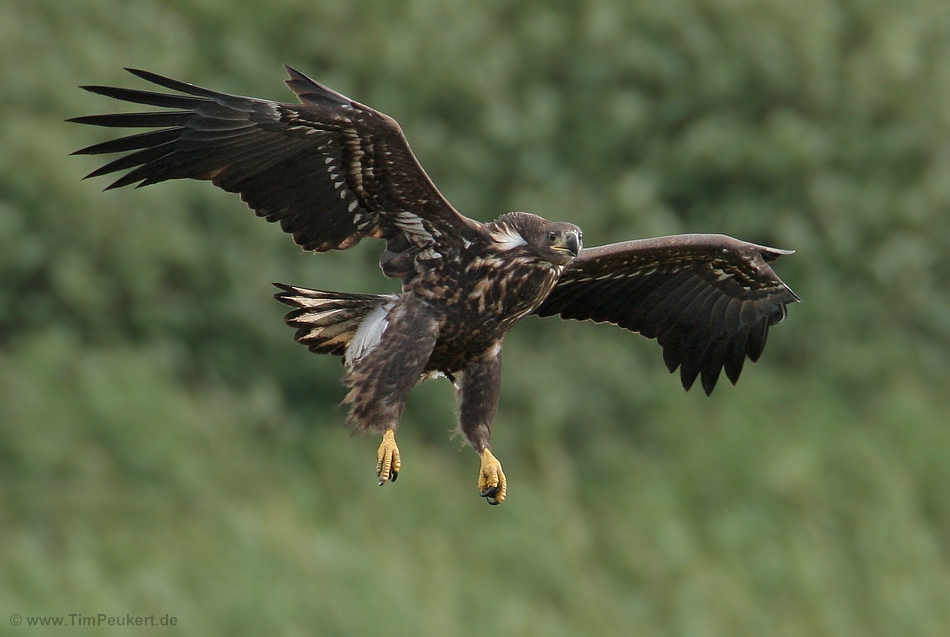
(166, 448)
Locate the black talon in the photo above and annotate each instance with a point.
(393, 475)
(489, 493)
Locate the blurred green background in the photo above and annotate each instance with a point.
(166, 448)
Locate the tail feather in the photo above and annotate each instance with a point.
(327, 322)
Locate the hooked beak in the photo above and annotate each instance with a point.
(570, 243)
(573, 243)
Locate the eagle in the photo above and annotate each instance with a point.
(332, 172)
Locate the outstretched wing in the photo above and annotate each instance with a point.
(708, 300)
(330, 170)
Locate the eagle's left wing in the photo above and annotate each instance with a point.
(330, 170)
(709, 300)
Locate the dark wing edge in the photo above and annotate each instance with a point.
(330, 170)
(708, 300)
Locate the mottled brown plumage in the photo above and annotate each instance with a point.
(332, 172)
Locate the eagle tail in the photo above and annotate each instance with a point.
(327, 322)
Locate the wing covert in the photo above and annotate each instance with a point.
(708, 300)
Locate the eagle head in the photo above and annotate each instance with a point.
(556, 242)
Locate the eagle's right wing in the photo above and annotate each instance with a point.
(330, 170)
(708, 300)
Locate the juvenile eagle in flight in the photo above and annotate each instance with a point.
(332, 172)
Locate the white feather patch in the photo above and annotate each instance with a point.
(412, 225)
(367, 336)
(507, 237)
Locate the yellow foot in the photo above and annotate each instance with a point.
(387, 459)
(491, 480)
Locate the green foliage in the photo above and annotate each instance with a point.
(166, 448)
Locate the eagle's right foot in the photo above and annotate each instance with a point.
(491, 479)
(387, 459)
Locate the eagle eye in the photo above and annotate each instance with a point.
(552, 236)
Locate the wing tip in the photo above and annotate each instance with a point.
(771, 254)
(295, 74)
(173, 84)
(148, 76)
(143, 74)
(309, 90)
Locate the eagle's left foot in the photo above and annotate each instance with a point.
(491, 480)
(387, 459)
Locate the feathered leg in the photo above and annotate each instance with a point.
(382, 378)
(479, 387)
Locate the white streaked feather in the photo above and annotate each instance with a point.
(507, 237)
(367, 336)
(320, 317)
(412, 225)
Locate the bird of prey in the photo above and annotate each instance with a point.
(332, 171)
